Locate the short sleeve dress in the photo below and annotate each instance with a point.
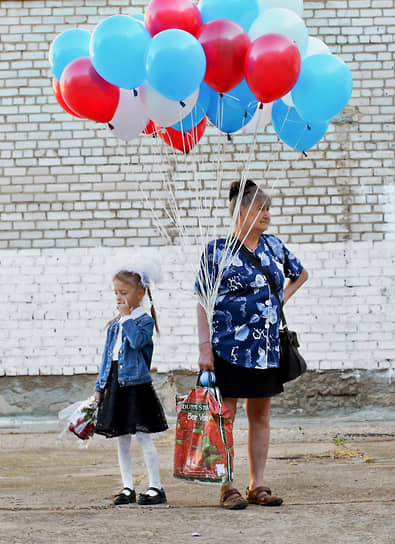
(246, 316)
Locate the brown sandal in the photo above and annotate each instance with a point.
(263, 496)
(232, 500)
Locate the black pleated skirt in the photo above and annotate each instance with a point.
(248, 383)
(130, 409)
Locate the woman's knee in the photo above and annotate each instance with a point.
(258, 412)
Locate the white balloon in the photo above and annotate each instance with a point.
(165, 112)
(260, 119)
(316, 47)
(130, 117)
(293, 5)
(287, 99)
(281, 21)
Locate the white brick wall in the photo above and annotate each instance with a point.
(55, 304)
(69, 183)
(70, 194)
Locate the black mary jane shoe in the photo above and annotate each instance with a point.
(146, 500)
(125, 498)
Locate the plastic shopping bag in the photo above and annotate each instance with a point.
(81, 417)
(204, 438)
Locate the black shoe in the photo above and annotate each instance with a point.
(124, 498)
(159, 498)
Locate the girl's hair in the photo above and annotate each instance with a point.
(135, 279)
(251, 193)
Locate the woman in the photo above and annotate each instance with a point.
(243, 345)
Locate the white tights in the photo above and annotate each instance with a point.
(150, 457)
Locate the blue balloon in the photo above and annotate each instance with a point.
(198, 112)
(323, 88)
(243, 12)
(118, 50)
(138, 16)
(292, 130)
(69, 45)
(207, 378)
(176, 64)
(233, 110)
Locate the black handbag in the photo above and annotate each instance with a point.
(292, 364)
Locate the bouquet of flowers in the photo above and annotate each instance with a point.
(81, 418)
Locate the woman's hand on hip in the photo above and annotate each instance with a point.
(206, 356)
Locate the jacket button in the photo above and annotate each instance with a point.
(123, 383)
(120, 366)
(120, 351)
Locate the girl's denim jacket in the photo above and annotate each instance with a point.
(135, 355)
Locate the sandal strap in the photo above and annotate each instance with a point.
(229, 492)
(259, 490)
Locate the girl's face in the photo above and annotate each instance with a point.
(255, 219)
(128, 293)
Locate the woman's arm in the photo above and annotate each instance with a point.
(206, 356)
(292, 286)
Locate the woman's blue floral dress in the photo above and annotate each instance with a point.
(246, 316)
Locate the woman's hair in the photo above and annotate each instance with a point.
(135, 279)
(251, 193)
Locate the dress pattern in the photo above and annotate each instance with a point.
(246, 315)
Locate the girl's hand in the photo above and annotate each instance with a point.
(123, 307)
(206, 356)
(98, 397)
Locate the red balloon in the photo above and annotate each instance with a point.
(150, 128)
(226, 44)
(87, 93)
(59, 97)
(272, 66)
(182, 140)
(164, 14)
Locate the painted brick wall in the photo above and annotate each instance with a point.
(70, 194)
(69, 183)
(55, 304)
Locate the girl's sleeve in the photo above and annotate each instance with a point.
(292, 266)
(138, 335)
(97, 386)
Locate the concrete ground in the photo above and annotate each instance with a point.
(336, 476)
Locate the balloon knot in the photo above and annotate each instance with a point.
(304, 154)
(261, 106)
(182, 103)
(135, 93)
(245, 114)
(308, 127)
(229, 137)
(110, 126)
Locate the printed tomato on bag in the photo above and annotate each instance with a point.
(204, 441)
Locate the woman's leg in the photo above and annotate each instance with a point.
(258, 414)
(125, 460)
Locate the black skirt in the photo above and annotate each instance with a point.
(130, 409)
(248, 383)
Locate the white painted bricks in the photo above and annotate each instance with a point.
(55, 304)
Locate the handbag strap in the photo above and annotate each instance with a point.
(257, 263)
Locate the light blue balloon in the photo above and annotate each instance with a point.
(138, 16)
(293, 131)
(323, 89)
(176, 64)
(69, 45)
(198, 112)
(232, 111)
(118, 50)
(243, 12)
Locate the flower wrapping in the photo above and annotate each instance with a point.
(81, 418)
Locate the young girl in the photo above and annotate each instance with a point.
(127, 401)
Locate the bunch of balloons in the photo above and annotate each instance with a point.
(238, 63)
